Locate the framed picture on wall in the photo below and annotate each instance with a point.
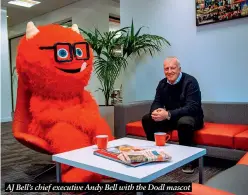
(212, 11)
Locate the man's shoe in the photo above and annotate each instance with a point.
(188, 169)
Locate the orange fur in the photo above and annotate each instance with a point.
(63, 112)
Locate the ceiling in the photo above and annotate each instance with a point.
(17, 14)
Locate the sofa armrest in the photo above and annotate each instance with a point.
(129, 112)
(204, 190)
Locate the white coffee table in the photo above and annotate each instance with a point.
(85, 159)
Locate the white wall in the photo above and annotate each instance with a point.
(114, 26)
(6, 106)
(215, 54)
(87, 14)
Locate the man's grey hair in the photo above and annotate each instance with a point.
(168, 59)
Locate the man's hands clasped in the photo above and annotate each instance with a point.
(159, 114)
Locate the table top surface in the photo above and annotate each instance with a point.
(85, 159)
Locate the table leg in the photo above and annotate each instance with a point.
(58, 174)
(201, 170)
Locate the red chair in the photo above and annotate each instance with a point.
(22, 118)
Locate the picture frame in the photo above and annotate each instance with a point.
(213, 11)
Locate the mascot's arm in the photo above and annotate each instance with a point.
(49, 112)
(89, 105)
(92, 112)
(84, 116)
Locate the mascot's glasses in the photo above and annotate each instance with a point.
(64, 52)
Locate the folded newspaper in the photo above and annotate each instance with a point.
(144, 155)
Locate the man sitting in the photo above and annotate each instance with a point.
(177, 105)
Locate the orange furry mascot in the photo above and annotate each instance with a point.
(54, 64)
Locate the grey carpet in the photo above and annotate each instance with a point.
(20, 164)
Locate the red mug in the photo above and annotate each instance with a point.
(161, 138)
(101, 141)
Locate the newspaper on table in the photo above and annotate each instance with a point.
(144, 155)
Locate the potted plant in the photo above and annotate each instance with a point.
(113, 50)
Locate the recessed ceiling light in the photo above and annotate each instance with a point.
(24, 3)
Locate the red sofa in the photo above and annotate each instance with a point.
(225, 132)
(225, 135)
(232, 136)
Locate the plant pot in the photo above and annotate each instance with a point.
(107, 112)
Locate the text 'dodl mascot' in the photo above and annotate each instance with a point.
(54, 64)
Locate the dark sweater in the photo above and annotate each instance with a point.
(181, 99)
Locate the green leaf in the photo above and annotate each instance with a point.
(108, 66)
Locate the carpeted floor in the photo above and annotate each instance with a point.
(18, 165)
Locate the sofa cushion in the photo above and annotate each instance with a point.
(220, 135)
(232, 180)
(174, 136)
(244, 160)
(241, 140)
(212, 134)
(136, 129)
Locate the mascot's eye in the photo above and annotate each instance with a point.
(62, 53)
(79, 52)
